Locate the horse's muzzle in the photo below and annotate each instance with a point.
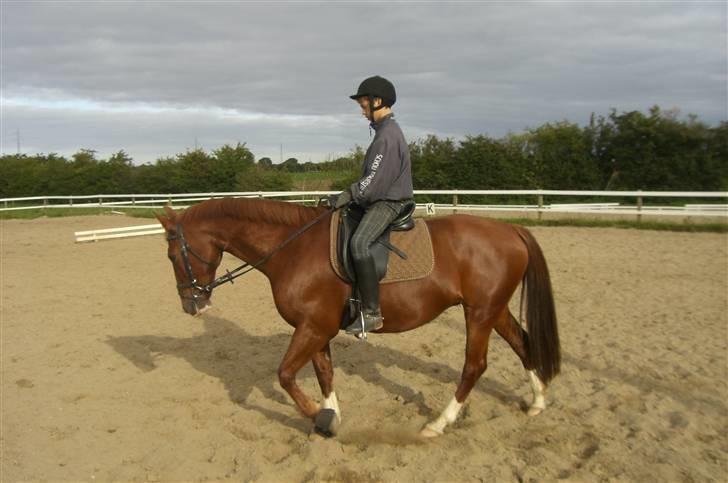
(196, 307)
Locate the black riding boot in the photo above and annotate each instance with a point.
(368, 283)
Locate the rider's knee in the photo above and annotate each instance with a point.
(359, 248)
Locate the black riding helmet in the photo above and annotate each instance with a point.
(376, 86)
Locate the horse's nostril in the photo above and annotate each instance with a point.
(188, 306)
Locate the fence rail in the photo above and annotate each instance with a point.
(156, 200)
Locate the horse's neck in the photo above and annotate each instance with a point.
(250, 241)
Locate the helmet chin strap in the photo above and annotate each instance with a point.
(372, 108)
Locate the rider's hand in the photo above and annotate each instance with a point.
(343, 199)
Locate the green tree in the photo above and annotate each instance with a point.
(227, 162)
(717, 147)
(485, 163)
(195, 171)
(84, 179)
(433, 162)
(291, 165)
(115, 175)
(559, 156)
(164, 176)
(348, 168)
(659, 152)
(265, 163)
(260, 179)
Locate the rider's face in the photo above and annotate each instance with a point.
(364, 105)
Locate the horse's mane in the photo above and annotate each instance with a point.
(252, 209)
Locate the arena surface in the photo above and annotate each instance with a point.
(105, 378)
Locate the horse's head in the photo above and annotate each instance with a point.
(195, 255)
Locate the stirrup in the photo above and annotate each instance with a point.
(365, 323)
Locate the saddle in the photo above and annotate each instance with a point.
(349, 221)
(409, 239)
(413, 257)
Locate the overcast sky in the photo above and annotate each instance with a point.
(153, 77)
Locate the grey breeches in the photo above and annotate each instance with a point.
(376, 219)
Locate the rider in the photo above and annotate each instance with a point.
(385, 185)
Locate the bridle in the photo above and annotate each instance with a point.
(198, 290)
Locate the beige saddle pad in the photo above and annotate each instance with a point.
(416, 243)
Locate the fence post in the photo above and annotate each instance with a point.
(455, 203)
(639, 208)
(45, 204)
(133, 200)
(169, 199)
(70, 201)
(540, 206)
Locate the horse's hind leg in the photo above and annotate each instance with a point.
(329, 418)
(509, 328)
(479, 325)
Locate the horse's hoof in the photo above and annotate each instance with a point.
(326, 423)
(428, 432)
(535, 411)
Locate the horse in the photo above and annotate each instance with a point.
(479, 263)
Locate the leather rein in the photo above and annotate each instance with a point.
(199, 289)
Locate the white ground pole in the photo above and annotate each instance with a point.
(122, 232)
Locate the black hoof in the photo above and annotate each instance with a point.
(325, 423)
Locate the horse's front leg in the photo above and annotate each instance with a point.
(305, 343)
(329, 418)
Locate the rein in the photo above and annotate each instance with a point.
(237, 272)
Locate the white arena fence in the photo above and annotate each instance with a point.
(182, 200)
(715, 205)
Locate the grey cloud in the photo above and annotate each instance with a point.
(462, 68)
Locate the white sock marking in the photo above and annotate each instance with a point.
(332, 403)
(448, 416)
(539, 400)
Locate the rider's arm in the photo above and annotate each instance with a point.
(383, 168)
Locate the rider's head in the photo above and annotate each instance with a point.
(375, 96)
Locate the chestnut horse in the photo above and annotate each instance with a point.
(479, 263)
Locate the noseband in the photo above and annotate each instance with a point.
(198, 291)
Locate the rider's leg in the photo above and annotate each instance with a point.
(376, 219)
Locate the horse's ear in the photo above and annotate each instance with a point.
(168, 224)
(170, 212)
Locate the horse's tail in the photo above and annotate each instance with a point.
(544, 349)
